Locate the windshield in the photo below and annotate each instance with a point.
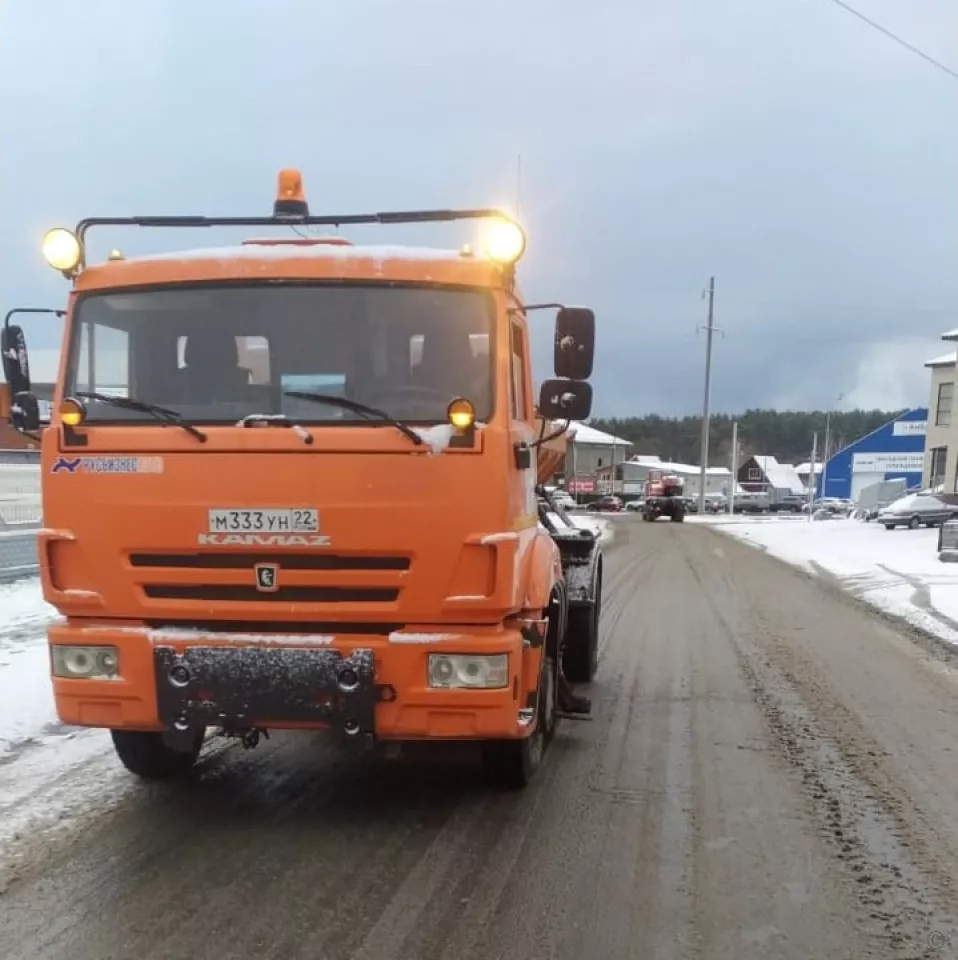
(221, 353)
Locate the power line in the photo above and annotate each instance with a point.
(899, 40)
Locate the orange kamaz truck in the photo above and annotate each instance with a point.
(296, 483)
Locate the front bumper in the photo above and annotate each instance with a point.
(369, 685)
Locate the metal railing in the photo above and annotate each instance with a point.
(20, 516)
(19, 495)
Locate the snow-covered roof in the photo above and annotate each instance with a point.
(950, 335)
(946, 359)
(682, 469)
(805, 467)
(589, 435)
(781, 476)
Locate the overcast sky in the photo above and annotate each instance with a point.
(801, 157)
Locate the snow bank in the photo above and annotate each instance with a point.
(896, 571)
(600, 525)
(26, 702)
(36, 750)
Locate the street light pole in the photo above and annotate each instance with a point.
(731, 496)
(826, 449)
(811, 477)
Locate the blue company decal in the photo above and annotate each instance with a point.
(76, 465)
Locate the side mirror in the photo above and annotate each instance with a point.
(25, 413)
(16, 366)
(575, 343)
(565, 400)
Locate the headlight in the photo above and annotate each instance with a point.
(85, 663)
(61, 249)
(469, 671)
(504, 241)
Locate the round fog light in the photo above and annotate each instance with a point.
(348, 680)
(444, 670)
(351, 728)
(179, 675)
(108, 662)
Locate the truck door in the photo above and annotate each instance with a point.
(522, 479)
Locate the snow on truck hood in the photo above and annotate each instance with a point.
(320, 251)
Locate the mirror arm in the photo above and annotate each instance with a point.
(537, 306)
(553, 436)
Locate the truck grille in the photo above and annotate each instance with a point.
(285, 561)
(239, 591)
(297, 577)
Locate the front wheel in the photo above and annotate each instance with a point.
(147, 755)
(914, 523)
(514, 763)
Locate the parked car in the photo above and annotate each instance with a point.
(790, 503)
(916, 510)
(606, 505)
(716, 503)
(564, 500)
(832, 505)
(634, 506)
(751, 503)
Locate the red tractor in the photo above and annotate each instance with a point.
(664, 497)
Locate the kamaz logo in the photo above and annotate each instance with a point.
(263, 540)
(267, 577)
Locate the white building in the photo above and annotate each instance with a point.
(630, 476)
(590, 453)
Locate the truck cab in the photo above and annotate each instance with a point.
(292, 484)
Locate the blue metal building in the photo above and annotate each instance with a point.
(896, 449)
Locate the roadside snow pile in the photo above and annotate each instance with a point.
(897, 571)
(28, 719)
(599, 525)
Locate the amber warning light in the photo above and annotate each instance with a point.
(290, 198)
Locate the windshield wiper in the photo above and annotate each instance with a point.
(155, 411)
(279, 420)
(360, 408)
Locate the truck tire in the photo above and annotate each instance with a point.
(148, 757)
(580, 652)
(514, 763)
(678, 516)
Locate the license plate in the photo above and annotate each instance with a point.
(297, 520)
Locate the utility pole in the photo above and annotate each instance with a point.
(811, 475)
(731, 496)
(709, 330)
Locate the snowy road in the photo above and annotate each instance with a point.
(770, 772)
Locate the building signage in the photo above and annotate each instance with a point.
(888, 462)
(909, 428)
(581, 485)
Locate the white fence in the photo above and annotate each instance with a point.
(19, 495)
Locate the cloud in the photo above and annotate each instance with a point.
(803, 159)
